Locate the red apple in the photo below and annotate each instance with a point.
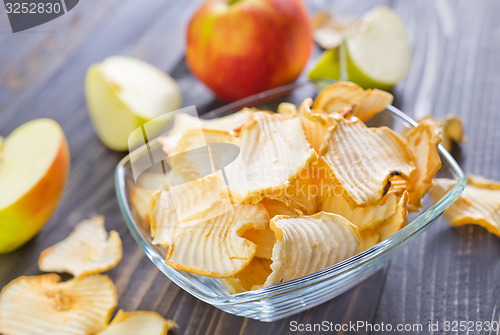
(242, 47)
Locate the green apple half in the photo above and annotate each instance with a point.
(376, 53)
(123, 93)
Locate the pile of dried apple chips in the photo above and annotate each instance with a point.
(257, 198)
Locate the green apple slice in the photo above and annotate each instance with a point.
(327, 66)
(124, 93)
(378, 53)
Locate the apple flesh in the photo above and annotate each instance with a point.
(34, 165)
(124, 93)
(376, 53)
(239, 48)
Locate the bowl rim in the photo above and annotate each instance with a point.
(366, 257)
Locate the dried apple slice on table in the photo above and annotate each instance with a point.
(478, 204)
(88, 249)
(139, 322)
(45, 305)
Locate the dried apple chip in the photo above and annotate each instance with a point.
(196, 138)
(478, 204)
(363, 217)
(141, 200)
(264, 239)
(484, 183)
(423, 142)
(397, 221)
(230, 124)
(88, 249)
(315, 125)
(369, 238)
(182, 201)
(197, 149)
(250, 278)
(45, 305)
(374, 234)
(306, 244)
(453, 131)
(287, 109)
(139, 322)
(162, 218)
(274, 151)
(364, 104)
(362, 160)
(215, 247)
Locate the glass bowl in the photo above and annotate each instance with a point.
(288, 298)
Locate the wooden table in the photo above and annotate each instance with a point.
(447, 274)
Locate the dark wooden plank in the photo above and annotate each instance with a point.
(448, 273)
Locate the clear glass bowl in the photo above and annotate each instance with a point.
(285, 299)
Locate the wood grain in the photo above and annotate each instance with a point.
(446, 274)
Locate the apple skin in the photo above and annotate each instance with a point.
(248, 46)
(23, 219)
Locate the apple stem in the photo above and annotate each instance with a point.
(233, 2)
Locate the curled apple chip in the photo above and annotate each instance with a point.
(181, 202)
(45, 305)
(141, 199)
(139, 322)
(274, 151)
(363, 217)
(453, 131)
(369, 238)
(215, 247)
(196, 138)
(183, 122)
(364, 103)
(162, 218)
(391, 225)
(88, 249)
(264, 239)
(481, 182)
(306, 244)
(478, 204)
(397, 221)
(362, 160)
(315, 125)
(194, 155)
(287, 109)
(250, 278)
(423, 142)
